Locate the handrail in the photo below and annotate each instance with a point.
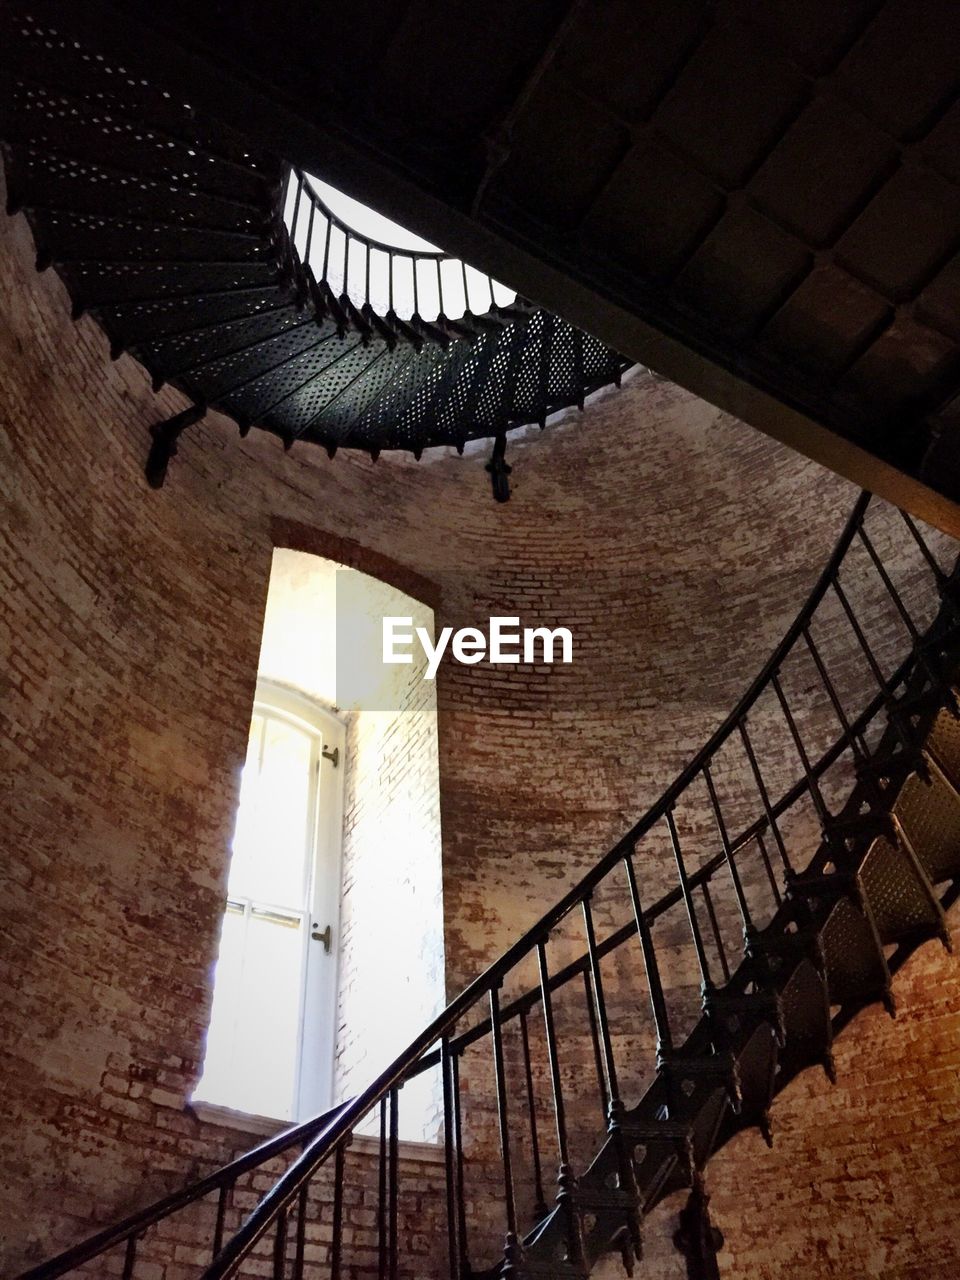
(440, 1044)
(673, 897)
(303, 1169)
(141, 1219)
(308, 198)
(428, 255)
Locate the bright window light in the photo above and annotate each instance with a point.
(254, 1045)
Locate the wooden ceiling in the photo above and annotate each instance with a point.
(758, 198)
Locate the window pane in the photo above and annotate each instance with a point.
(253, 1040)
(216, 1084)
(272, 836)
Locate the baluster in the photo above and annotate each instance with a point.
(553, 1059)
(347, 241)
(539, 1205)
(326, 252)
(336, 1244)
(706, 981)
(221, 1217)
(465, 1269)
(813, 785)
(449, 1156)
(414, 263)
(765, 858)
(382, 1196)
(764, 796)
(627, 1182)
(836, 849)
(595, 1040)
(309, 243)
(390, 282)
(512, 1251)
(280, 1246)
(899, 726)
(658, 1002)
(466, 288)
(394, 1181)
(129, 1257)
(892, 591)
(715, 928)
(728, 857)
(366, 289)
(939, 575)
(441, 313)
(857, 744)
(934, 675)
(300, 1243)
(566, 1179)
(601, 1006)
(296, 210)
(490, 287)
(862, 641)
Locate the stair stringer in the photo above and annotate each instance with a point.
(680, 1122)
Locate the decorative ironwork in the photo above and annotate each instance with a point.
(827, 937)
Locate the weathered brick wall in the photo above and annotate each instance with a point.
(674, 541)
(863, 1176)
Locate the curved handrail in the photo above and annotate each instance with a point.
(441, 1044)
(403, 298)
(427, 255)
(700, 877)
(300, 1173)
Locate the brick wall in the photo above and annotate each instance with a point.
(392, 961)
(674, 541)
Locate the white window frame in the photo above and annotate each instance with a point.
(320, 971)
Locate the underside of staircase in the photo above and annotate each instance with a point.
(827, 900)
(170, 230)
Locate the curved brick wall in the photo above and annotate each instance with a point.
(679, 544)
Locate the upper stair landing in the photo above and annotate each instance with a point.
(224, 274)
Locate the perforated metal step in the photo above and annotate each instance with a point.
(169, 229)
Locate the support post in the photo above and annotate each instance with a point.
(696, 1237)
(165, 436)
(500, 469)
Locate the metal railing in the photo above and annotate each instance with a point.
(759, 798)
(129, 1231)
(382, 279)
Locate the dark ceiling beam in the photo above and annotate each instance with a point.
(328, 141)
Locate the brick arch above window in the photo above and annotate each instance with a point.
(297, 536)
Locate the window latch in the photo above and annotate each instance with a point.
(333, 755)
(325, 937)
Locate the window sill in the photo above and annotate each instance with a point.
(246, 1121)
(267, 1127)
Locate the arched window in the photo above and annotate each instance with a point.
(336, 857)
(270, 1047)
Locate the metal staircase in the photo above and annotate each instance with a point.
(814, 843)
(171, 231)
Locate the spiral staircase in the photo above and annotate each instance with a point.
(170, 230)
(210, 262)
(792, 921)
